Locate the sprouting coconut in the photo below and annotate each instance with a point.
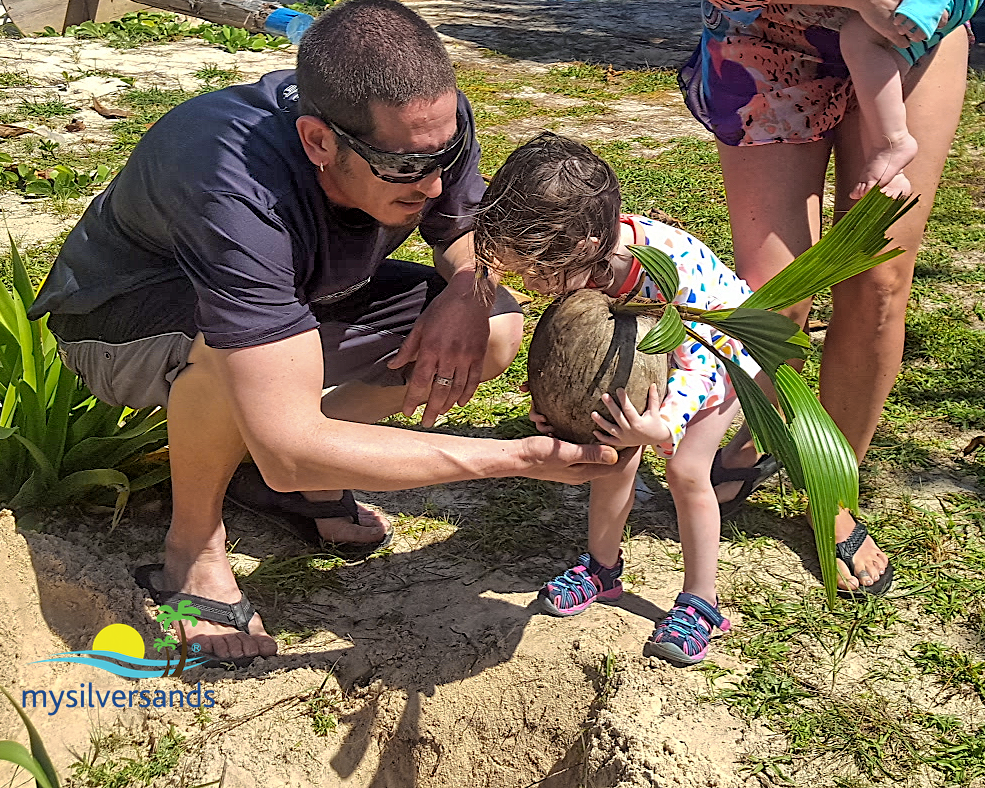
(585, 346)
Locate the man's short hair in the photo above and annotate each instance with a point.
(361, 51)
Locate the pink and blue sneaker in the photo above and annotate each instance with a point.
(683, 637)
(584, 583)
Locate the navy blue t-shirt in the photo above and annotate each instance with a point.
(221, 192)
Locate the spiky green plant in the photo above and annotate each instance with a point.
(57, 441)
(815, 454)
(34, 761)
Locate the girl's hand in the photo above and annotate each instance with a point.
(630, 428)
(539, 420)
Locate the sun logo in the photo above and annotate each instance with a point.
(120, 649)
(122, 639)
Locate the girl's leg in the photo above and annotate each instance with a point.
(863, 346)
(597, 577)
(877, 74)
(609, 505)
(689, 479)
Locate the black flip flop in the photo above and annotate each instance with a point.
(296, 514)
(751, 479)
(237, 615)
(846, 552)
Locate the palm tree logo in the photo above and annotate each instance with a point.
(165, 643)
(166, 616)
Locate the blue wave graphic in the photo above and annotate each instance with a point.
(101, 660)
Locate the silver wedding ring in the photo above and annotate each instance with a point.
(443, 381)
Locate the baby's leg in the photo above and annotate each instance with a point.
(689, 479)
(608, 509)
(877, 73)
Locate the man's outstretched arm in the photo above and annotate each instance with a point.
(275, 393)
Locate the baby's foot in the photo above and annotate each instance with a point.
(885, 167)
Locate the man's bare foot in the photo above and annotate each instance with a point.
(371, 528)
(209, 575)
(885, 167)
(870, 562)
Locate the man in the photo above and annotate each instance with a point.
(237, 266)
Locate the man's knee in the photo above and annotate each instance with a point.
(505, 336)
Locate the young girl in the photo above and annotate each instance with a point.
(551, 214)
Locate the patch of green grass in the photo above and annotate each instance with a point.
(943, 376)
(44, 110)
(580, 80)
(296, 575)
(213, 77)
(111, 765)
(148, 105)
(655, 80)
(322, 707)
(939, 557)
(515, 518)
(14, 79)
(952, 668)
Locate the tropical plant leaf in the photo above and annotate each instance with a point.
(17, 754)
(75, 484)
(667, 334)
(110, 451)
(829, 465)
(149, 479)
(56, 428)
(38, 750)
(660, 268)
(767, 426)
(48, 474)
(28, 333)
(847, 249)
(770, 338)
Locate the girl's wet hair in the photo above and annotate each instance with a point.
(541, 208)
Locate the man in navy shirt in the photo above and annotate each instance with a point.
(238, 266)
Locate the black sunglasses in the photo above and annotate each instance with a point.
(405, 167)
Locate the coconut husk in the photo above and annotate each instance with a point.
(584, 346)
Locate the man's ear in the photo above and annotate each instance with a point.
(317, 139)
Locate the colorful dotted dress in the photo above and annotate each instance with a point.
(697, 379)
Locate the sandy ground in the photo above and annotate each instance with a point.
(434, 666)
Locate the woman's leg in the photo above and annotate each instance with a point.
(863, 347)
(774, 200)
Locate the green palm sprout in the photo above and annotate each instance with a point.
(167, 616)
(817, 457)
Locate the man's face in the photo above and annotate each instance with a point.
(419, 127)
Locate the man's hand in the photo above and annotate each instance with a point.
(554, 460)
(448, 343)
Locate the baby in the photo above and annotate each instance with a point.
(552, 215)
(877, 70)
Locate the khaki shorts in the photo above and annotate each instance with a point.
(130, 350)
